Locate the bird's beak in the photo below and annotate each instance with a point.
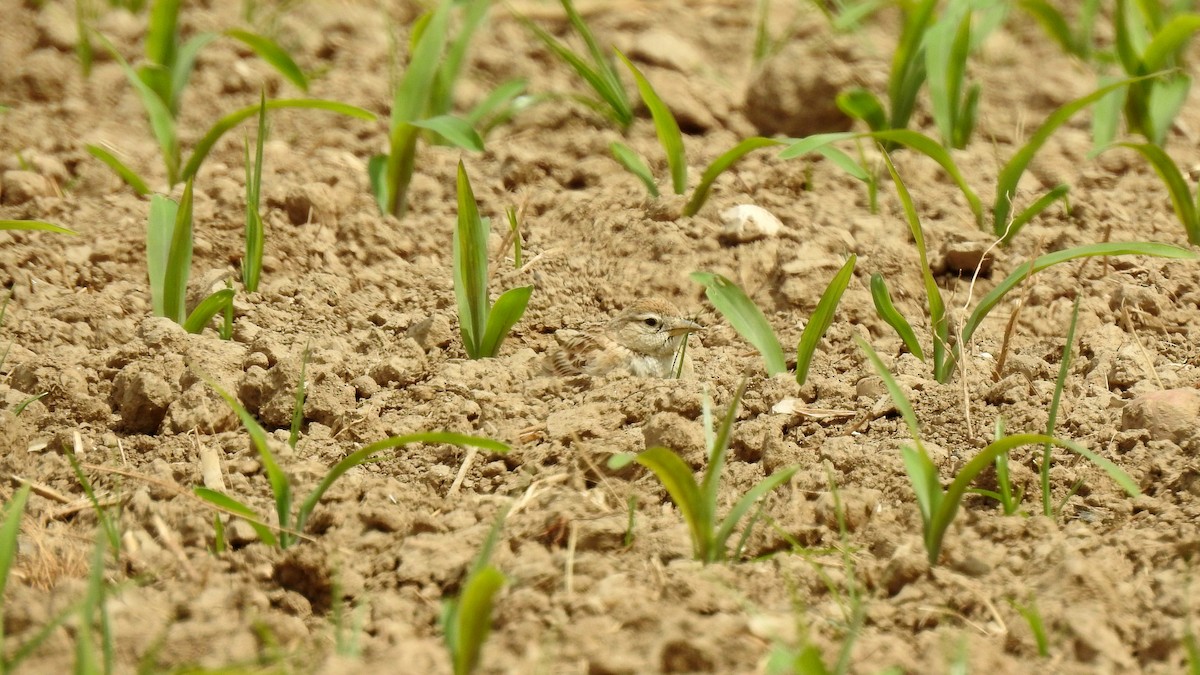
(683, 327)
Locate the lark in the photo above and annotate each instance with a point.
(644, 340)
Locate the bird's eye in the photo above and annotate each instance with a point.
(651, 321)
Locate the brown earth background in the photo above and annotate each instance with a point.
(1111, 577)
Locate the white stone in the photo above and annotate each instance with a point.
(747, 222)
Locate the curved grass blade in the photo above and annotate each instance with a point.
(207, 309)
(888, 312)
(719, 166)
(745, 317)
(227, 503)
(179, 260)
(669, 135)
(1053, 22)
(280, 485)
(933, 295)
(1041, 204)
(677, 478)
(821, 318)
(504, 314)
(743, 505)
(634, 164)
(711, 481)
(1030, 267)
(38, 225)
(803, 146)
(456, 130)
(268, 50)
(367, 452)
(902, 403)
(1010, 174)
(1177, 186)
(231, 120)
(600, 78)
(497, 106)
(162, 122)
(1169, 41)
(123, 172)
(980, 462)
(181, 68)
(935, 151)
(862, 104)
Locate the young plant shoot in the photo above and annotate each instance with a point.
(483, 325)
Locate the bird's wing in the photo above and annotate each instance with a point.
(579, 353)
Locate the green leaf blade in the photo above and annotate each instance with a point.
(719, 166)
(505, 314)
(822, 318)
(268, 50)
(667, 128)
(470, 268)
(745, 317)
(634, 164)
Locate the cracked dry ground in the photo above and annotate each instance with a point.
(1110, 577)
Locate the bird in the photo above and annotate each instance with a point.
(645, 340)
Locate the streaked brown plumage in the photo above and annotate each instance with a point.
(643, 340)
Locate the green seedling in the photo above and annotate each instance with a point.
(1077, 40)
(936, 49)
(291, 525)
(163, 122)
(946, 344)
(466, 620)
(35, 226)
(1005, 223)
(671, 140)
(412, 104)
(514, 231)
(822, 318)
(1008, 497)
(494, 109)
(698, 501)
(169, 62)
(255, 238)
(746, 318)
(1150, 40)
(948, 44)
(1033, 616)
(939, 506)
(1064, 368)
(596, 68)
(169, 261)
(908, 72)
(483, 325)
(1186, 204)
